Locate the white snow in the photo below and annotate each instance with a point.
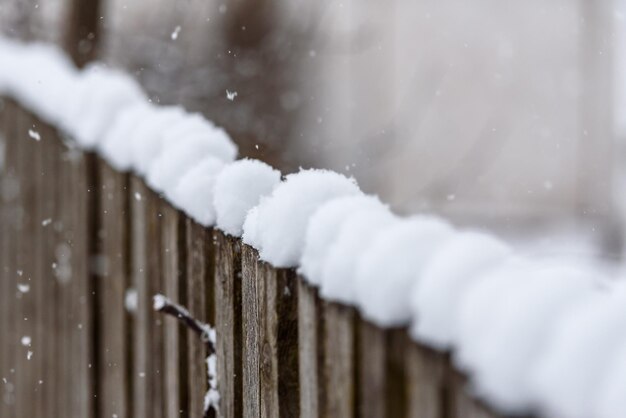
(565, 378)
(283, 216)
(393, 264)
(453, 268)
(480, 304)
(179, 153)
(212, 397)
(147, 137)
(103, 92)
(238, 188)
(193, 193)
(611, 399)
(159, 302)
(250, 227)
(34, 135)
(516, 336)
(323, 229)
(115, 144)
(338, 271)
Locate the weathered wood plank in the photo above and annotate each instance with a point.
(251, 332)
(381, 371)
(428, 383)
(146, 277)
(112, 269)
(10, 214)
(75, 291)
(25, 364)
(173, 252)
(278, 311)
(339, 355)
(49, 152)
(228, 323)
(200, 299)
(462, 404)
(311, 356)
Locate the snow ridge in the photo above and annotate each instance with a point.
(535, 336)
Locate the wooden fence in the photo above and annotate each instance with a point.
(84, 249)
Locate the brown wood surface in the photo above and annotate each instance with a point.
(339, 360)
(428, 383)
(311, 350)
(278, 312)
(200, 302)
(26, 305)
(75, 294)
(251, 332)
(228, 323)
(146, 275)
(49, 154)
(173, 252)
(8, 295)
(111, 267)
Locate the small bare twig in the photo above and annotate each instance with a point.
(207, 334)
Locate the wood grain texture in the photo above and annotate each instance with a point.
(251, 332)
(278, 312)
(200, 300)
(146, 277)
(228, 323)
(26, 303)
(50, 152)
(311, 351)
(339, 360)
(75, 290)
(382, 380)
(112, 272)
(8, 275)
(174, 265)
(428, 383)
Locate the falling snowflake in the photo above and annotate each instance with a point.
(34, 134)
(230, 95)
(175, 33)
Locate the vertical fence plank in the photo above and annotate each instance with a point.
(228, 323)
(112, 270)
(311, 350)
(173, 253)
(200, 300)
(75, 295)
(462, 404)
(251, 332)
(428, 384)
(382, 380)
(50, 152)
(25, 364)
(10, 214)
(279, 342)
(147, 281)
(339, 355)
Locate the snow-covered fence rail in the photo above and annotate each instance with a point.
(86, 247)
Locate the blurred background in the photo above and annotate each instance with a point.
(505, 115)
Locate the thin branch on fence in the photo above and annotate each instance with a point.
(207, 334)
(204, 331)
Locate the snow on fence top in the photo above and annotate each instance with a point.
(534, 336)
